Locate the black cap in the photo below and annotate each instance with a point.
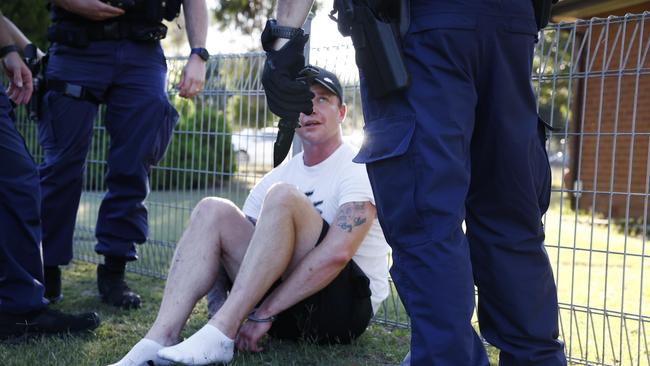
(315, 74)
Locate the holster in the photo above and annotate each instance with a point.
(376, 38)
(37, 68)
(543, 12)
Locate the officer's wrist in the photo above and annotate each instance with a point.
(201, 53)
(8, 49)
(197, 58)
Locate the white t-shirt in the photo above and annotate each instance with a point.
(328, 185)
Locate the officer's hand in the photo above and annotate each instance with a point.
(192, 78)
(20, 78)
(286, 96)
(91, 9)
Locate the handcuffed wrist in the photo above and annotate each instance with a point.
(252, 317)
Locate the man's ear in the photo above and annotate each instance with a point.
(343, 110)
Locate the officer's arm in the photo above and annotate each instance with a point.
(6, 38)
(196, 21)
(320, 266)
(291, 13)
(18, 37)
(20, 78)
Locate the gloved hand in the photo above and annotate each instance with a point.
(286, 96)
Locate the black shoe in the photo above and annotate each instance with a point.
(46, 321)
(52, 283)
(114, 290)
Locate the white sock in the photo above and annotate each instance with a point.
(206, 346)
(143, 351)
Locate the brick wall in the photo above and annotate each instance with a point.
(612, 120)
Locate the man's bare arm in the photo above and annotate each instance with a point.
(320, 267)
(196, 22)
(5, 33)
(291, 13)
(17, 36)
(20, 78)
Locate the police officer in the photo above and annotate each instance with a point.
(109, 53)
(23, 309)
(461, 143)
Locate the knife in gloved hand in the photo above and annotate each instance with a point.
(286, 130)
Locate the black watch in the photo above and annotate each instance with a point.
(202, 52)
(4, 51)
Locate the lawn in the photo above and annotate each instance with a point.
(380, 345)
(602, 277)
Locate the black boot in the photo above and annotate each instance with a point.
(112, 286)
(52, 283)
(45, 321)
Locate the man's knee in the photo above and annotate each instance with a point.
(285, 197)
(213, 209)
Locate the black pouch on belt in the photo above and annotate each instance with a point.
(543, 12)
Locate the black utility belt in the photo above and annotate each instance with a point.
(80, 35)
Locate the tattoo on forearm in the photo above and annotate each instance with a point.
(351, 215)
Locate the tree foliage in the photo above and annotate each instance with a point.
(31, 16)
(247, 16)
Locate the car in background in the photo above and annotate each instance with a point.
(253, 148)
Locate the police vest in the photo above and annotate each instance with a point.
(137, 11)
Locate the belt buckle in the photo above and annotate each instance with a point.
(73, 90)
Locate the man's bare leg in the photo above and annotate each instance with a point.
(287, 229)
(216, 226)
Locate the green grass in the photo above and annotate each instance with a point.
(601, 274)
(379, 345)
(120, 330)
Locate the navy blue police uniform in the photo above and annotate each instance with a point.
(463, 143)
(21, 270)
(23, 308)
(119, 63)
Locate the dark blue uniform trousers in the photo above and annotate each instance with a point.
(463, 143)
(129, 78)
(21, 268)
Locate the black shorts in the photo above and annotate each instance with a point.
(338, 313)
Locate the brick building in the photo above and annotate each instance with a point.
(609, 128)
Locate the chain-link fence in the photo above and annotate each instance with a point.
(593, 85)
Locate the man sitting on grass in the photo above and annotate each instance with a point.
(307, 250)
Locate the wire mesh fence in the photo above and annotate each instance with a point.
(592, 79)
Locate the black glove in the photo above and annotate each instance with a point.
(285, 96)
